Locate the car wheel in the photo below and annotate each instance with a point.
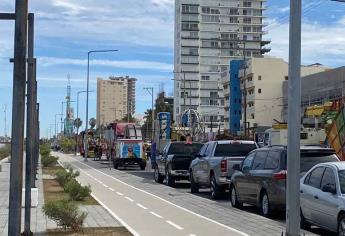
(341, 225)
(216, 191)
(233, 198)
(142, 167)
(169, 180)
(157, 176)
(194, 188)
(304, 224)
(265, 204)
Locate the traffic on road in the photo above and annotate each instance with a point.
(238, 175)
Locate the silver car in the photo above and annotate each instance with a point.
(323, 197)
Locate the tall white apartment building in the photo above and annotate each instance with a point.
(208, 34)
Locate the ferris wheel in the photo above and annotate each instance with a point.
(192, 121)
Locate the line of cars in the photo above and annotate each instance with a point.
(257, 176)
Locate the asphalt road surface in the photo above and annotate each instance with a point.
(148, 208)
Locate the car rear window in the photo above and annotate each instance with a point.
(184, 148)
(233, 149)
(308, 160)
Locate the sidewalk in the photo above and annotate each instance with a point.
(97, 215)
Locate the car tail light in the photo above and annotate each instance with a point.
(223, 166)
(280, 175)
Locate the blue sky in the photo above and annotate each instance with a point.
(142, 31)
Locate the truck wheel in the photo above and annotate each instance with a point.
(158, 177)
(216, 191)
(194, 188)
(170, 180)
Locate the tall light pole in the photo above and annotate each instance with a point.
(294, 121)
(150, 91)
(55, 125)
(87, 98)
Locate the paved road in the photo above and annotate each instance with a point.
(147, 208)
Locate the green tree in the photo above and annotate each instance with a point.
(92, 123)
(128, 118)
(78, 123)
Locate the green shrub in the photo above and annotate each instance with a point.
(5, 151)
(65, 214)
(49, 160)
(44, 150)
(67, 145)
(63, 176)
(76, 191)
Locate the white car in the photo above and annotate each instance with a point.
(323, 197)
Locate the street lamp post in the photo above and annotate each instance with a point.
(87, 98)
(150, 91)
(55, 125)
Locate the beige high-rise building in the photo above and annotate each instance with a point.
(115, 99)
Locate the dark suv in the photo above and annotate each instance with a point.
(261, 178)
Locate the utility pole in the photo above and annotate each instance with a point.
(150, 91)
(18, 114)
(244, 67)
(294, 122)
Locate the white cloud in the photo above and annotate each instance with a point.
(320, 43)
(130, 64)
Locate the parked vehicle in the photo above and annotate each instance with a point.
(173, 163)
(125, 145)
(322, 197)
(214, 163)
(261, 178)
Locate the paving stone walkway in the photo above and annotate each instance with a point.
(97, 215)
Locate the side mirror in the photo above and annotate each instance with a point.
(329, 189)
(236, 167)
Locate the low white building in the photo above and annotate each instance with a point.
(263, 79)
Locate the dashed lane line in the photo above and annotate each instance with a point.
(105, 185)
(129, 199)
(164, 200)
(174, 225)
(156, 215)
(118, 193)
(111, 189)
(141, 206)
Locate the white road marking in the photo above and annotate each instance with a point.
(141, 206)
(156, 215)
(164, 200)
(175, 225)
(100, 182)
(118, 193)
(135, 233)
(192, 235)
(111, 189)
(105, 185)
(129, 199)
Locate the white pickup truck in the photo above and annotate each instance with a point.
(214, 164)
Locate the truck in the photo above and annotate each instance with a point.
(125, 145)
(279, 136)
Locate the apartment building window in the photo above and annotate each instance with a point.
(259, 91)
(257, 12)
(184, 94)
(247, 20)
(190, 51)
(233, 11)
(245, 12)
(245, 37)
(248, 53)
(247, 4)
(190, 26)
(256, 37)
(194, 34)
(256, 54)
(189, 60)
(247, 29)
(257, 29)
(206, 10)
(210, 18)
(205, 77)
(222, 102)
(213, 94)
(225, 36)
(209, 44)
(251, 91)
(189, 9)
(233, 20)
(227, 53)
(259, 77)
(286, 77)
(227, 45)
(191, 17)
(253, 116)
(250, 79)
